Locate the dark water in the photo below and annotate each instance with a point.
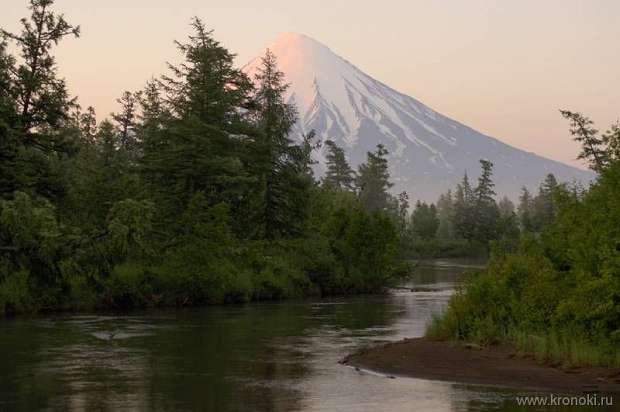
(257, 357)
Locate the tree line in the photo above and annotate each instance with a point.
(557, 293)
(469, 220)
(195, 191)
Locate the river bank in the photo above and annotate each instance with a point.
(471, 364)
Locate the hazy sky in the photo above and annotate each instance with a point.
(501, 67)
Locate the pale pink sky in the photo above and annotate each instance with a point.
(501, 67)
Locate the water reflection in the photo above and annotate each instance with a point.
(272, 356)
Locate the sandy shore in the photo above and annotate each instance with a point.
(495, 366)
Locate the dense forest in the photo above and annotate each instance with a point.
(557, 294)
(195, 191)
(468, 221)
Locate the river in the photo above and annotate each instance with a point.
(274, 356)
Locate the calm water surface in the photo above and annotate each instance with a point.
(256, 357)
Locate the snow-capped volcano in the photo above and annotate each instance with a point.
(428, 152)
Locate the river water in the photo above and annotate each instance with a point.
(280, 356)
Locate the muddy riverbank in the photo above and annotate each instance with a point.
(471, 364)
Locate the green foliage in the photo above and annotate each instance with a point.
(281, 166)
(129, 225)
(425, 221)
(195, 191)
(35, 104)
(339, 174)
(559, 294)
(582, 128)
(467, 221)
(33, 245)
(14, 290)
(373, 181)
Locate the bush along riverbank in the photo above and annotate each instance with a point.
(558, 295)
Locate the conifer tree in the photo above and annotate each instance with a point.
(508, 223)
(40, 114)
(544, 203)
(485, 212)
(281, 165)
(445, 214)
(464, 209)
(151, 116)
(425, 221)
(611, 139)
(592, 146)
(126, 120)
(196, 146)
(403, 210)
(484, 190)
(373, 181)
(206, 85)
(506, 207)
(525, 210)
(43, 98)
(87, 123)
(339, 174)
(9, 141)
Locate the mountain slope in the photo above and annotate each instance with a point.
(428, 152)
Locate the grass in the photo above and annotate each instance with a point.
(549, 348)
(567, 351)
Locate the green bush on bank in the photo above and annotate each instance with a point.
(558, 296)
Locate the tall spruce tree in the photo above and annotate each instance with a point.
(445, 214)
(86, 123)
(544, 204)
(36, 126)
(43, 101)
(339, 174)
(464, 209)
(525, 210)
(152, 115)
(126, 120)
(282, 166)
(197, 147)
(485, 212)
(207, 85)
(373, 181)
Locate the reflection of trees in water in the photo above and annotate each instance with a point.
(230, 357)
(428, 274)
(19, 385)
